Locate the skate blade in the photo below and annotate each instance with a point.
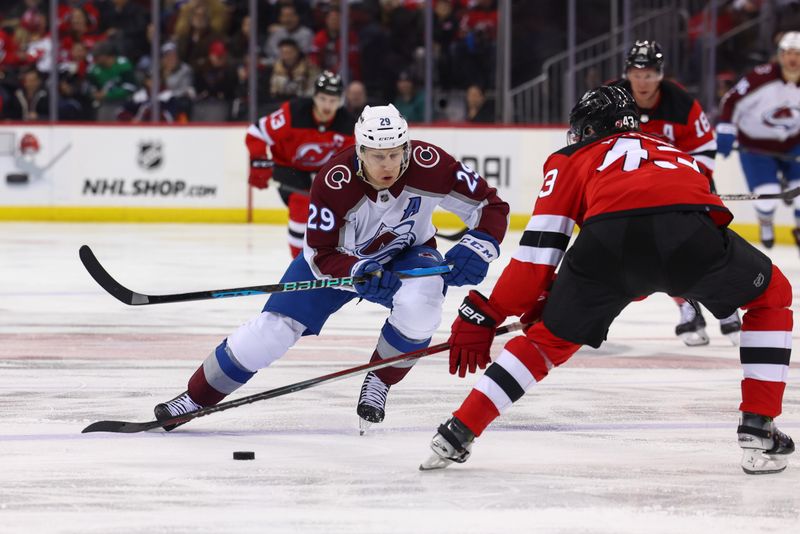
(757, 462)
(695, 339)
(434, 462)
(363, 426)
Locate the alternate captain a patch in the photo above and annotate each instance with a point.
(412, 208)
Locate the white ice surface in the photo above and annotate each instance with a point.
(638, 436)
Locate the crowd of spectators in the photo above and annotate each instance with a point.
(104, 57)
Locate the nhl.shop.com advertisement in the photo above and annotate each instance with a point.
(111, 166)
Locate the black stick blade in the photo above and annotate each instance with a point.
(106, 281)
(454, 237)
(124, 427)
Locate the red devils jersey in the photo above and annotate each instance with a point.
(679, 118)
(621, 175)
(350, 222)
(297, 142)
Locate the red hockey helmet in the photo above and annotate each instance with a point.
(29, 144)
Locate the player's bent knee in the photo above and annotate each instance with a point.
(417, 307)
(777, 295)
(264, 339)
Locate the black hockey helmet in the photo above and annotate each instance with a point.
(644, 55)
(329, 83)
(601, 112)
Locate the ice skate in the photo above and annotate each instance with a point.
(766, 233)
(180, 405)
(692, 328)
(730, 328)
(452, 443)
(765, 448)
(372, 402)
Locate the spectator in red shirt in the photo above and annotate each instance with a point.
(325, 48)
(78, 31)
(92, 15)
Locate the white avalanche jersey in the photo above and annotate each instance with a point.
(350, 222)
(765, 110)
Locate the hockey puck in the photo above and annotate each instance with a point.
(244, 455)
(16, 178)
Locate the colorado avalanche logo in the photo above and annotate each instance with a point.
(338, 175)
(387, 241)
(786, 117)
(426, 157)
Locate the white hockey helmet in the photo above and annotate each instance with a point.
(382, 127)
(789, 41)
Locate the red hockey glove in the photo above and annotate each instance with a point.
(260, 173)
(472, 334)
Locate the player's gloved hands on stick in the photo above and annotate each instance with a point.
(260, 172)
(472, 334)
(726, 136)
(380, 285)
(470, 259)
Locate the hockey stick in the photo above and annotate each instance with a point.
(132, 298)
(777, 155)
(128, 427)
(454, 237)
(788, 194)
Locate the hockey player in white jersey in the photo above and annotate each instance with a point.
(370, 214)
(762, 111)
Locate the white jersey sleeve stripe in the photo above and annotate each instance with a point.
(542, 256)
(551, 223)
(260, 131)
(711, 145)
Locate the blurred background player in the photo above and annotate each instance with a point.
(293, 143)
(646, 209)
(671, 113)
(761, 112)
(370, 214)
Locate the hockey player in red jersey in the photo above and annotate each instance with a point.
(668, 111)
(294, 142)
(370, 214)
(645, 209)
(761, 111)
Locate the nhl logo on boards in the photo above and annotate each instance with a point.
(150, 156)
